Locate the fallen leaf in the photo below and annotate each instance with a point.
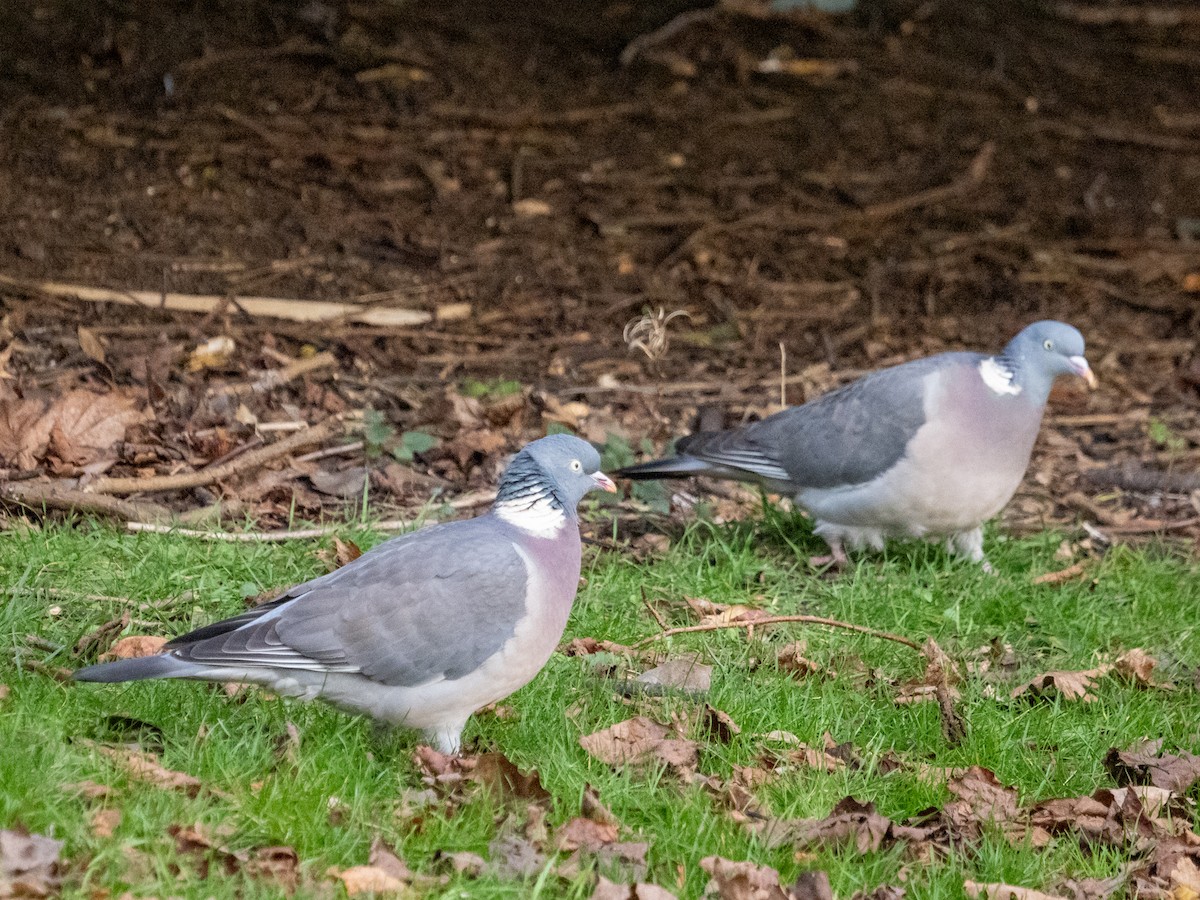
(1063, 575)
(591, 807)
(718, 724)
(531, 207)
(82, 425)
(1068, 685)
(685, 674)
(791, 659)
(24, 432)
(359, 880)
(585, 833)
(279, 864)
(996, 891)
(207, 849)
(102, 637)
(89, 789)
(29, 864)
(514, 856)
(212, 354)
(741, 880)
(640, 740)
(133, 647)
(1138, 666)
(814, 885)
(1175, 772)
(609, 890)
(104, 822)
(142, 766)
(384, 858)
(470, 864)
(5, 690)
(90, 344)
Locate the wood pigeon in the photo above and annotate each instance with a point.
(930, 448)
(424, 629)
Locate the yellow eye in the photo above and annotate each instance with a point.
(1049, 345)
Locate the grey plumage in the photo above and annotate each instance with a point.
(425, 628)
(933, 447)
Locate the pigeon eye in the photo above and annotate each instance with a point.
(1049, 345)
(576, 466)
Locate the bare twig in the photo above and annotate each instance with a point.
(262, 537)
(277, 377)
(776, 620)
(269, 307)
(46, 495)
(1133, 476)
(213, 474)
(654, 612)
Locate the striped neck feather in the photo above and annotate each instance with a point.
(526, 500)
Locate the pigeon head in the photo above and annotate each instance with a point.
(556, 470)
(1042, 352)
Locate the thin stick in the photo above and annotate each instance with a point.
(276, 377)
(654, 612)
(782, 375)
(294, 310)
(775, 620)
(213, 474)
(40, 495)
(262, 537)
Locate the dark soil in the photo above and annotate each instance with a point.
(920, 175)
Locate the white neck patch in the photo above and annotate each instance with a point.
(998, 379)
(541, 518)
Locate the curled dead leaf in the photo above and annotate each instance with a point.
(1068, 685)
(133, 647)
(640, 740)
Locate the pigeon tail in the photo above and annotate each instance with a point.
(675, 467)
(134, 669)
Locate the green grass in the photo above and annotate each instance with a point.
(1145, 599)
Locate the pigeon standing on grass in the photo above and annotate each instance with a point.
(929, 448)
(424, 629)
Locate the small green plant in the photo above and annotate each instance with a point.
(377, 433)
(493, 389)
(1164, 436)
(412, 443)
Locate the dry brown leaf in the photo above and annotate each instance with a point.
(90, 344)
(609, 890)
(1063, 575)
(591, 807)
(104, 822)
(741, 880)
(5, 690)
(358, 880)
(384, 858)
(718, 724)
(1068, 685)
(142, 766)
(686, 674)
(133, 647)
(89, 789)
(212, 354)
(1174, 772)
(515, 856)
(587, 834)
(29, 864)
(1138, 666)
(82, 425)
(640, 740)
(279, 864)
(814, 885)
(791, 659)
(24, 432)
(493, 772)
(996, 891)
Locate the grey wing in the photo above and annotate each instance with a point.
(426, 606)
(848, 436)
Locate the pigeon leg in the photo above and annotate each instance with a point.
(970, 544)
(447, 737)
(836, 557)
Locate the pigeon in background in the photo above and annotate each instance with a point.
(424, 629)
(929, 448)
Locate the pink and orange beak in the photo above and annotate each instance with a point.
(604, 482)
(1081, 368)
